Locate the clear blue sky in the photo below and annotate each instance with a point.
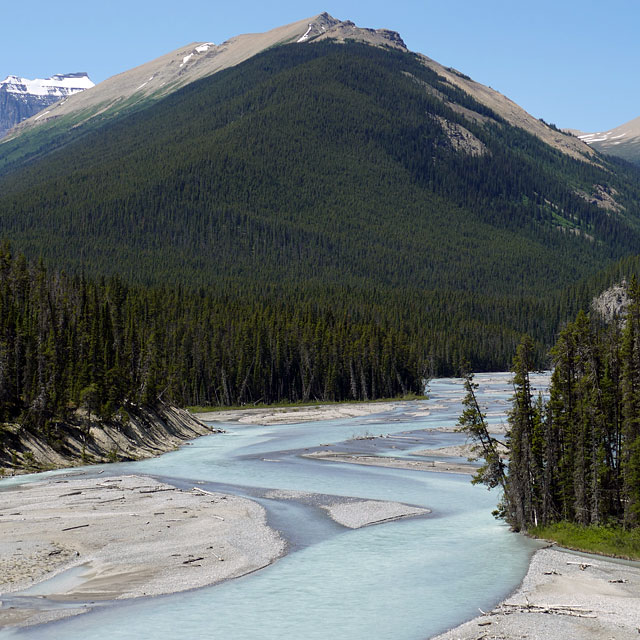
(573, 63)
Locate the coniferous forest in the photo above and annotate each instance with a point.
(70, 342)
(574, 456)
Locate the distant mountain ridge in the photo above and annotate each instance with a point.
(622, 142)
(21, 98)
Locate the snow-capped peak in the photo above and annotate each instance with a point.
(59, 85)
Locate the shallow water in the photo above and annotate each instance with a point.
(401, 580)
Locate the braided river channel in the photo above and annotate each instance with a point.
(401, 580)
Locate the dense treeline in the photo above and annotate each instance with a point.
(317, 184)
(300, 226)
(74, 342)
(69, 343)
(574, 456)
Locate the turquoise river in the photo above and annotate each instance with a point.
(403, 580)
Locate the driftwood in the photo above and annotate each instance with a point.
(193, 560)
(204, 491)
(157, 490)
(112, 500)
(80, 526)
(582, 565)
(555, 609)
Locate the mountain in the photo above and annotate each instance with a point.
(138, 88)
(147, 83)
(160, 77)
(21, 98)
(336, 174)
(622, 142)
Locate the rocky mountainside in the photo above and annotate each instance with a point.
(622, 142)
(146, 84)
(162, 76)
(21, 98)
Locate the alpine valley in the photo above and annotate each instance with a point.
(311, 213)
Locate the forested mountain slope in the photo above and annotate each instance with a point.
(138, 88)
(341, 175)
(331, 161)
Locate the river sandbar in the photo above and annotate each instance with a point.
(352, 513)
(132, 536)
(312, 413)
(438, 466)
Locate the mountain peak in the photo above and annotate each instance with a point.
(22, 98)
(60, 84)
(318, 26)
(158, 78)
(325, 26)
(623, 141)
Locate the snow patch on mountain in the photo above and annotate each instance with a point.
(590, 138)
(21, 98)
(201, 48)
(622, 141)
(306, 35)
(59, 85)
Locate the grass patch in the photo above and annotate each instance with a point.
(293, 405)
(603, 540)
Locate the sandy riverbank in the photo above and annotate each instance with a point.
(131, 535)
(564, 596)
(312, 413)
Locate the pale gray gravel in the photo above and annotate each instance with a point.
(352, 513)
(132, 536)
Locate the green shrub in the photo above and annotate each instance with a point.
(602, 539)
